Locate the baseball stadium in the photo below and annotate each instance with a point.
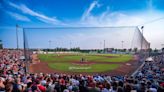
(84, 51)
(81, 46)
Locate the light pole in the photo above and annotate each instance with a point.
(122, 44)
(104, 46)
(17, 41)
(49, 44)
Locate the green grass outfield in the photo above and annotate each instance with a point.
(66, 62)
(89, 57)
(68, 67)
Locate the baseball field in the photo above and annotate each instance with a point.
(82, 62)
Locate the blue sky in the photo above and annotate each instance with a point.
(55, 13)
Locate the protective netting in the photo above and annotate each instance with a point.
(27, 51)
(139, 41)
(85, 38)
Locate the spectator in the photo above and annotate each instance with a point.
(149, 78)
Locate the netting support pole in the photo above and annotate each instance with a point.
(25, 53)
(17, 42)
(142, 37)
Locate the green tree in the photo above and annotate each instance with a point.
(124, 50)
(155, 50)
(135, 50)
(130, 50)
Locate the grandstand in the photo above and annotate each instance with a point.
(106, 58)
(149, 77)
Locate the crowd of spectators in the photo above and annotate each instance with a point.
(13, 78)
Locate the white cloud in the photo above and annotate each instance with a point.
(18, 16)
(153, 32)
(39, 16)
(110, 19)
(88, 11)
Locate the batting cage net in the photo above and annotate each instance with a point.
(111, 39)
(85, 38)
